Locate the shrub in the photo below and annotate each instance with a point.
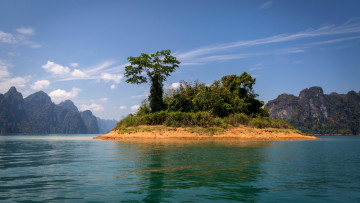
(202, 119)
(277, 123)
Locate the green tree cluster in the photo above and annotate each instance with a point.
(230, 95)
(227, 102)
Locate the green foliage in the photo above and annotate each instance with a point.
(228, 102)
(157, 67)
(265, 122)
(236, 119)
(232, 94)
(199, 119)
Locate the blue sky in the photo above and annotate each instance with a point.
(77, 49)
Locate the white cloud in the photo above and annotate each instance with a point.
(174, 85)
(18, 82)
(26, 31)
(104, 99)
(6, 81)
(61, 95)
(79, 74)
(92, 107)
(265, 5)
(140, 96)
(33, 45)
(7, 38)
(96, 69)
(4, 70)
(201, 54)
(135, 107)
(123, 107)
(74, 65)
(19, 39)
(55, 68)
(335, 40)
(104, 72)
(117, 69)
(255, 68)
(40, 84)
(111, 77)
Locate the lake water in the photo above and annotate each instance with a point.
(75, 168)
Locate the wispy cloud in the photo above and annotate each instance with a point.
(226, 57)
(335, 40)
(26, 31)
(146, 94)
(265, 5)
(103, 72)
(74, 65)
(7, 80)
(135, 107)
(123, 107)
(21, 37)
(92, 107)
(107, 77)
(213, 52)
(100, 67)
(256, 67)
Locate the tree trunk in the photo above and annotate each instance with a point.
(156, 94)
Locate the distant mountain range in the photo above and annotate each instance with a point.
(314, 112)
(37, 114)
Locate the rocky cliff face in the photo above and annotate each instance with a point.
(90, 121)
(87, 116)
(46, 117)
(12, 111)
(317, 113)
(69, 105)
(36, 114)
(106, 125)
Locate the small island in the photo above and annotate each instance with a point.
(227, 109)
(181, 133)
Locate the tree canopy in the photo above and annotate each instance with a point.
(230, 101)
(156, 67)
(232, 94)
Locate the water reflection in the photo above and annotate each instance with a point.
(183, 169)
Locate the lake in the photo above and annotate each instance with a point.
(73, 168)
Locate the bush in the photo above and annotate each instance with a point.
(277, 123)
(202, 119)
(236, 119)
(257, 123)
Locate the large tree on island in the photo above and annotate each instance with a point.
(157, 67)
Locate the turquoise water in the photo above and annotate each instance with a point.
(76, 168)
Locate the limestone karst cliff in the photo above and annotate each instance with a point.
(317, 113)
(37, 114)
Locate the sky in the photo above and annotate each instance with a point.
(77, 50)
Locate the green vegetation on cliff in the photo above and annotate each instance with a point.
(37, 114)
(314, 112)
